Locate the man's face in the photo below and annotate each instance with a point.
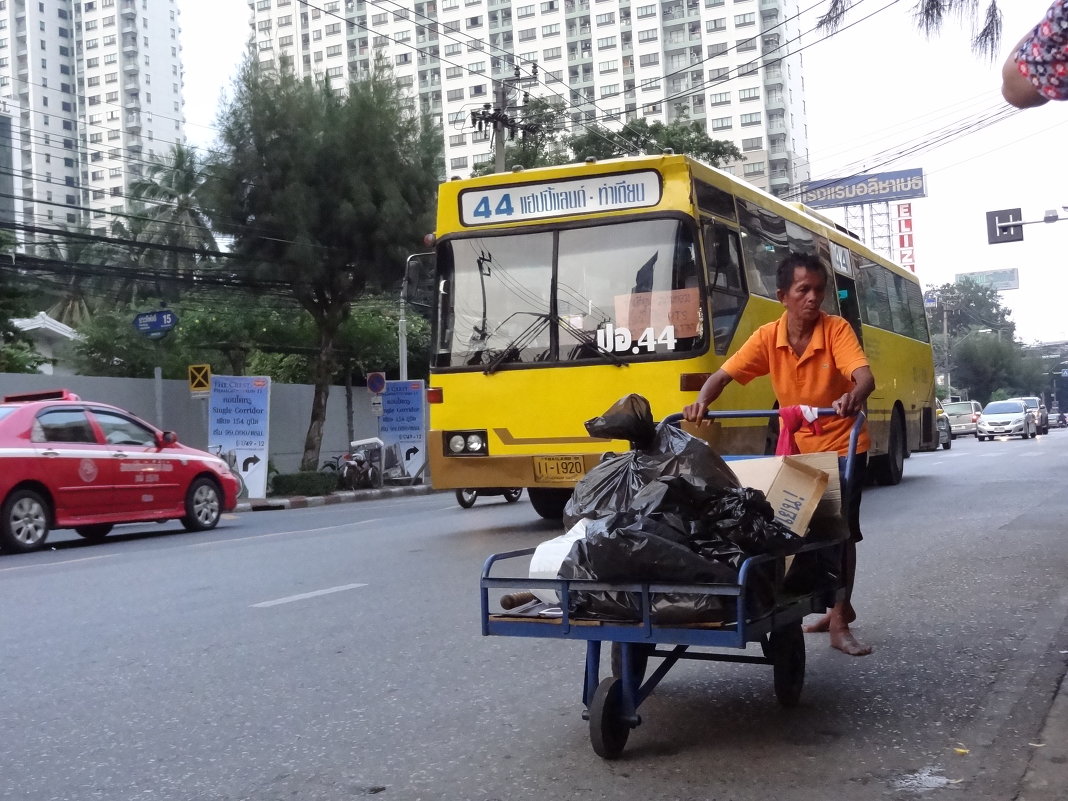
(805, 296)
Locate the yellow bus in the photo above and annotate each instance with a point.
(562, 289)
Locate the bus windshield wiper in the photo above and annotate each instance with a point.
(532, 331)
(525, 337)
(591, 342)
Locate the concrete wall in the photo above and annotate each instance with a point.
(188, 416)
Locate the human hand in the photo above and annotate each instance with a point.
(847, 405)
(694, 412)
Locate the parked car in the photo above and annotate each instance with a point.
(945, 431)
(68, 463)
(1057, 418)
(1038, 408)
(963, 416)
(1009, 417)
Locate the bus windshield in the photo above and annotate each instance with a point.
(617, 292)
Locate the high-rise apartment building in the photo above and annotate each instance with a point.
(725, 63)
(91, 89)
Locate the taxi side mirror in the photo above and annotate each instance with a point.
(166, 438)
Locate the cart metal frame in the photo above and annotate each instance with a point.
(612, 703)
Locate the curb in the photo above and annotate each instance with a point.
(1047, 774)
(349, 496)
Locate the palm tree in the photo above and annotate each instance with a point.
(78, 288)
(173, 194)
(930, 14)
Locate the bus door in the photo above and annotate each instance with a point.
(846, 300)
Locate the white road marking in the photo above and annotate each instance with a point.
(283, 533)
(291, 598)
(54, 564)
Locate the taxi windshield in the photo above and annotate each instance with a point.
(606, 293)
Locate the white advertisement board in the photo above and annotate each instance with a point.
(238, 423)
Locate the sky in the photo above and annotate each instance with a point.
(872, 89)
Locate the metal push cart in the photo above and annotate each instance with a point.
(612, 703)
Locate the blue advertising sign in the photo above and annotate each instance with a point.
(402, 429)
(877, 188)
(238, 421)
(155, 324)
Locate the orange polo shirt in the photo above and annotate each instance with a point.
(822, 374)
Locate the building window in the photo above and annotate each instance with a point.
(755, 143)
(751, 119)
(610, 90)
(741, 20)
(748, 94)
(649, 60)
(721, 124)
(606, 19)
(714, 25)
(717, 50)
(650, 35)
(751, 168)
(608, 66)
(742, 45)
(607, 43)
(524, 11)
(552, 54)
(458, 163)
(646, 11)
(719, 73)
(719, 99)
(550, 30)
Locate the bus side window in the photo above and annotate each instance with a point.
(726, 292)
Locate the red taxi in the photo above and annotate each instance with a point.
(69, 463)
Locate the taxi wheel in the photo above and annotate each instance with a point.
(23, 522)
(203, 505)
(94, 533)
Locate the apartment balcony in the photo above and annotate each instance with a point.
(129, 8)
(129, 47)
(779, 179)
(773, 78)
(775, 101)
(131, 67)
(133, 121)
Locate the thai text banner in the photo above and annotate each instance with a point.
(563, 198)
(876, 188)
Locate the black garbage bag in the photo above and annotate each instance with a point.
(611, 485)
(624, 548)
(629, 418)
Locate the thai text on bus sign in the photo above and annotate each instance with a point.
(568, 197)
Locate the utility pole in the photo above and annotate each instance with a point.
(496, 114)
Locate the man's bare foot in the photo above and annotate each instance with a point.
(844, 641)
(824, 623)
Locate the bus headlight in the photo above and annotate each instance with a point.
(466, 443)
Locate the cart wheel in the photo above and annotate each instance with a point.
(466, 497)
(512, 495)
(608, 731)
(787, 654)
(639, 657)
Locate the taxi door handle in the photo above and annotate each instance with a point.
(50, 452)
(119, 454)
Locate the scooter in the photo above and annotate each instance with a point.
(357, 472)
(467, 497)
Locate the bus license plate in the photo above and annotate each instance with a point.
(548, 469)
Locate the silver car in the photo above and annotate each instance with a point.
(1006, 418)
(963, 415)
(1038, 409)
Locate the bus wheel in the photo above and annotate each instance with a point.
(888, 468)
(548, 503)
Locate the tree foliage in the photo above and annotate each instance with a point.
(931, 14)
(326, 193)
(640, 136)
(17, 353)
(545, 142)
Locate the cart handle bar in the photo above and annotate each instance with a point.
(854, 433)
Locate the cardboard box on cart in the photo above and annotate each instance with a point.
(798, 488)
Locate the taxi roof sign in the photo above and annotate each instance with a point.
(200, 378)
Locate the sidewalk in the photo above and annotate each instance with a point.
(1046, 778)
(303, 502)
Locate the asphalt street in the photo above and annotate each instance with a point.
(334, 652)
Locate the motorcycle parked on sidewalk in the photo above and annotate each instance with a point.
(467, 497)
(357, 472)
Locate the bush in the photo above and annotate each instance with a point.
(307, 482)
